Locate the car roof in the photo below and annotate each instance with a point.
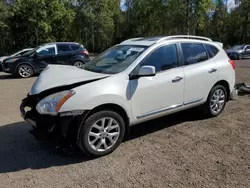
(148, 41)
(61, 43)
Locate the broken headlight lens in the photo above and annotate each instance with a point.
(52, 104)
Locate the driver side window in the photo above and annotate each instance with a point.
(47, 51)
(162, 59)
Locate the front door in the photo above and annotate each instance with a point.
(162, 93)
(45, 55)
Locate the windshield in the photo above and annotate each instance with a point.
(116, 59)
(238, 47)
(28, 53)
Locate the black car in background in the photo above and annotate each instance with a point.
(238, 52)
(34, 61)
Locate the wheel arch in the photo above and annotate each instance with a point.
(25, 63)
(226, 85)
(114, 107)
(78, 59)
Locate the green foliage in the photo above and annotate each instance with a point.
(99, 24)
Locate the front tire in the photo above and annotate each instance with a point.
(216, 101)
(25, 71)
(101, 133)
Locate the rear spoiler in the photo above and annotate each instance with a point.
(219, 43)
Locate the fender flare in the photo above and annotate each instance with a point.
(23, 63)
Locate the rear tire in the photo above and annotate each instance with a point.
(216, 101)
(79, 64)
(101, 133)
(25, 71)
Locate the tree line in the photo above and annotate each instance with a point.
(99, 24)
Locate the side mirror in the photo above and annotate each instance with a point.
(147, 71)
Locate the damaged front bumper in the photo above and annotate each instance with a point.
(61, 128)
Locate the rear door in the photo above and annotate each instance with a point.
(64, 54)
(45, 55)
(200, 72)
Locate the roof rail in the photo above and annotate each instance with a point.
(183, 36)
(131, 39)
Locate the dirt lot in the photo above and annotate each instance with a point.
(181, 150)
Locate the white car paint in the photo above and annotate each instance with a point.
(147, 97)
(59, 75)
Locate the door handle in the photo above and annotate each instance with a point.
(177, 79)
(212, 70)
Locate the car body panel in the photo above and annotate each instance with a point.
(61, 75)
(151, 94)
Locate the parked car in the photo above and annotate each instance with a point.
(33, 62)
(19, 53)
(136, 81)
(238, 52)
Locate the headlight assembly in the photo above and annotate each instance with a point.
(11, 60)
(52, 104)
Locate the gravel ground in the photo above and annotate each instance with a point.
(181, 150)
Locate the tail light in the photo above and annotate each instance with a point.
(85, 52)
(232, 63)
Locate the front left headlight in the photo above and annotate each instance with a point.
(52, 104)
(11, 60)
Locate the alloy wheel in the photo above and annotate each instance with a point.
(217, 101)
(25, 71)
(79, 64)
(103, 134)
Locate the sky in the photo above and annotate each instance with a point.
(231, 4)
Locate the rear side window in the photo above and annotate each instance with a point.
(193, 53)
(212, 50)
(75, 47)
(61, 48)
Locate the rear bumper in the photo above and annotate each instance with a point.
(234, 95)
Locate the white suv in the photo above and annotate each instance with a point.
(132, 82)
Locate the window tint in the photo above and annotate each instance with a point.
(193, 53)
(163, 58)
(63, 48)
(75, 47)
(212, 50)
(248, 48)
(47, 51)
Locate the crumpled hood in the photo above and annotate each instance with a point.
(61, 75)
